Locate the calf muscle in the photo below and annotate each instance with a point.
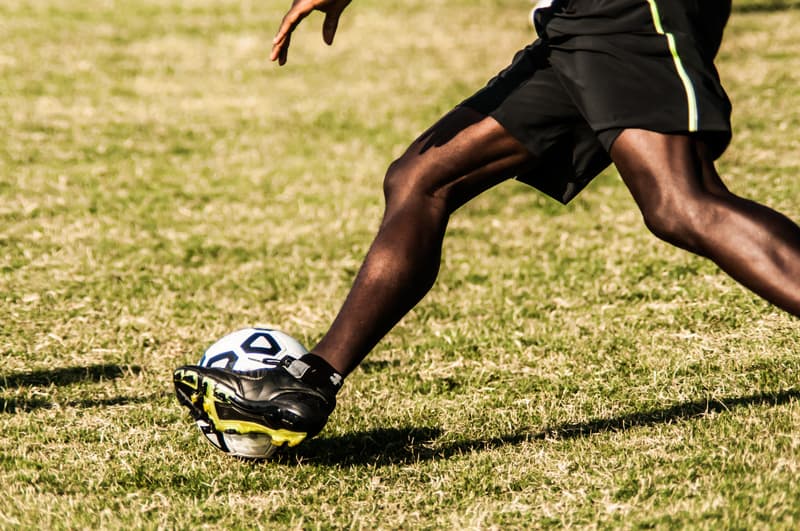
(462, 155)
(684, 202)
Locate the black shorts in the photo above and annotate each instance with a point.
(601, 66)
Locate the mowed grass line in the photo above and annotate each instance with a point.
(161, 185)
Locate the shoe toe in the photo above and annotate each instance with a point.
(303, 412)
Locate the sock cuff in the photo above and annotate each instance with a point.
(314, 370)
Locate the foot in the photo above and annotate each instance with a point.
(288, 403)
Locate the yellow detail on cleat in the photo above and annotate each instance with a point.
(291, 438)
(278, 436)
(187, 377)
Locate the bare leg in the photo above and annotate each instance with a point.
(464, 154)
(684, 202)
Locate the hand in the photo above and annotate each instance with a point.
(300, 9)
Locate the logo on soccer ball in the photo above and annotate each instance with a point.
(252, 349)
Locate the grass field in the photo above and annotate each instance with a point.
(162, 184)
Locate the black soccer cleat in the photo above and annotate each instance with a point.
(279, 402)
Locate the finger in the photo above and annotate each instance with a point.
(329, 26)
(280, 44)
(276, 49)
(284, 51)
(290, 22)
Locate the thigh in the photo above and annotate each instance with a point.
(663, 169)
(530, 101)
(460, 156)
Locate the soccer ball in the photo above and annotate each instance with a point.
(247, 350)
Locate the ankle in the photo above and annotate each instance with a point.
(314, 370)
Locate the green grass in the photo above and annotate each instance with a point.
(162, 184)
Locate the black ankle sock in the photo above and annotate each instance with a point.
(320, 373)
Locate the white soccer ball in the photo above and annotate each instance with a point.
(247, 350)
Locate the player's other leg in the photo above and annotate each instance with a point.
(684, 202)
(462, 155)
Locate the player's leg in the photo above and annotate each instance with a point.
(684, 202)
(462, 155)
(542, 139)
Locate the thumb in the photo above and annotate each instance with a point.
(329, 25)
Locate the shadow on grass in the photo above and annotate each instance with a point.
(23, 405)
(67, 375)
(380, 446)
(386, 446)
(64, 376)
(686, 410)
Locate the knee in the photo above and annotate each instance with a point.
(683, 221)
(392, 182)
(407, 181)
